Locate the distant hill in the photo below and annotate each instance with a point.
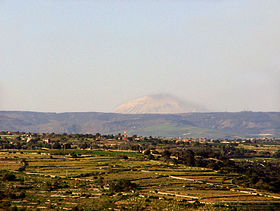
(214, 125)
(158, 104)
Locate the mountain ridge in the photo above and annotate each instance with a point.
(208, 124)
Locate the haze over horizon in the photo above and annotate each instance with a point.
(71, 56)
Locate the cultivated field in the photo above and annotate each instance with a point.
(54, 179)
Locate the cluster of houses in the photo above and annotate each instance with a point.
(35, 137)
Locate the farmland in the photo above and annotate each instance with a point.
(60, 181)
(148, 178)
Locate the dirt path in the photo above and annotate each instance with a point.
(178, 195)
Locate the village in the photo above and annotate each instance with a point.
(22, 140)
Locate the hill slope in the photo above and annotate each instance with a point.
(222, 124)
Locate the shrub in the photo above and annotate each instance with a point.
(151, 157)
(73, 155)
(2, 195)
(122, 185)
(22, 168)
(123, 157)
(9, 177)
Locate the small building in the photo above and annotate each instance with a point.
(47, 141)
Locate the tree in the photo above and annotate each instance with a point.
(67, 146)
(122, 185)
(84, 145)
(166, 154)
(9, 177)
(147, 152)
(151, 157)
(56, 145)
(277, 154)
(188, 158)
(73, 155)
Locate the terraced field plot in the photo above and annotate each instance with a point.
(54, 179)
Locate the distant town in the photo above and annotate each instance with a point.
(22, 140)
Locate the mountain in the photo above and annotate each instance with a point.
(158, 104)
(212, 125)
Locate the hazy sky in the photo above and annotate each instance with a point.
(86, 55)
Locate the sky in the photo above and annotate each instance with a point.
(91, 55)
